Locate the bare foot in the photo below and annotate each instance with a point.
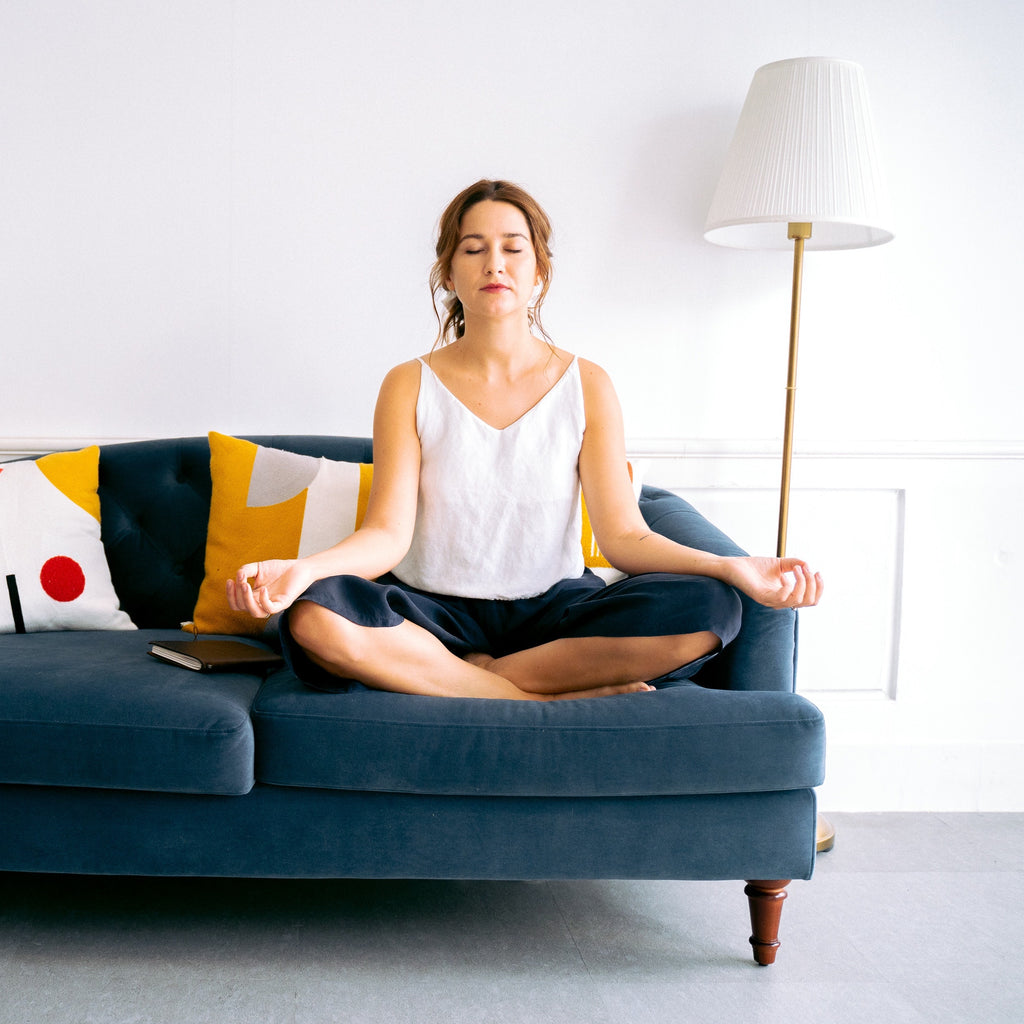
(485, 661)
(603, 691)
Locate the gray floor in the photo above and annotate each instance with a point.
(911, 918)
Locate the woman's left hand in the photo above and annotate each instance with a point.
(775, 582)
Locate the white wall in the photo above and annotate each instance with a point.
(219, 214)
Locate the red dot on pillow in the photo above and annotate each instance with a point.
(62, 578)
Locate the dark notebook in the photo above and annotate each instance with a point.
(216, 655)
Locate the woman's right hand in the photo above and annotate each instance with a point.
(265, 588)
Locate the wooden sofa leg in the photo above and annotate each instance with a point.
(765, 899)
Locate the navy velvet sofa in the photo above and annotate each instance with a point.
(112, 762)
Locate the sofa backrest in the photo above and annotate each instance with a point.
(155, 499)
(155, 505)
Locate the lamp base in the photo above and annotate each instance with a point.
(826, 835)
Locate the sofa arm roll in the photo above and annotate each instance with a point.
(763, 655)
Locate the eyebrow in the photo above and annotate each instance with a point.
(508, 234)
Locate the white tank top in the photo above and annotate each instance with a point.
(499, 510)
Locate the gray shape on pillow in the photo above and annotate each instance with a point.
(278, 476)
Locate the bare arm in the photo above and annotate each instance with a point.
(263, 588)
(628, 542)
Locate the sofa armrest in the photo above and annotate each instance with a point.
(763, 655)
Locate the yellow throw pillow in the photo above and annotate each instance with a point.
(268, 503)
(53, 568)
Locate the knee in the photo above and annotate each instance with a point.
(302, 623)
(685, 605)
(323, 633)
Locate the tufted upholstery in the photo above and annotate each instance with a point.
(155, 499)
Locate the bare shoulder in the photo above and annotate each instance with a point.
(592, 373)
(401, 382)
(597, 384)
(399, 392)
(404, 373)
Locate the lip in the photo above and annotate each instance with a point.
(495, 288)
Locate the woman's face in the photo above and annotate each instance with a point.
(494, 269)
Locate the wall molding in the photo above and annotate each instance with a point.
(20, 447)
(676, 448)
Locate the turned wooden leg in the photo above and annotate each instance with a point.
(765, 900)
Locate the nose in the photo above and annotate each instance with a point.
(495, 261)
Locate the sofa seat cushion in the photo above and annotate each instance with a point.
(94, 709)
(681, 740)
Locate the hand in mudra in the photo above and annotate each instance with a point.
(776, 582)
(264, 588)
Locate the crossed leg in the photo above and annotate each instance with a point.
(580, 663)
(408, 659)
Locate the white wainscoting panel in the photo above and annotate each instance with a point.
(913, 653)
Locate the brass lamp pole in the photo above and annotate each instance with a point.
(798, 233)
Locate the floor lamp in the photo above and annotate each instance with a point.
(802, 170)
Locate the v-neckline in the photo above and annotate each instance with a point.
(519, 419)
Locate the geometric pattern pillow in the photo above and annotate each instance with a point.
(267, 503)
(53, 569)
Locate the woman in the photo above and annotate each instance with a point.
(466, 577)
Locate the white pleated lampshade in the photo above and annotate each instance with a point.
(804, 151)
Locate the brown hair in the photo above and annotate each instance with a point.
(453, 326)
